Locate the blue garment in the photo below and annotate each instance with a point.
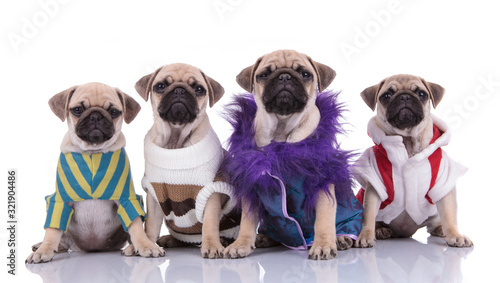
(281, 181)
(284, 220)
(103, 176)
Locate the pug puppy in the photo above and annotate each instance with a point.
(408, 180)
(183, 155)
(89, 221)
(288, 115)
(284, 85)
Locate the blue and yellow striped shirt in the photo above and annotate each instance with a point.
(103, 176)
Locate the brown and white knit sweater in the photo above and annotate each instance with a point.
(182, 180)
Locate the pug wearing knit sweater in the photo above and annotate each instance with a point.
(183, 156)
(408, 180)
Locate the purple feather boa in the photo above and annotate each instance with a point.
(317, 158)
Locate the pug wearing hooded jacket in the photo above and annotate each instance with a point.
(408, 181)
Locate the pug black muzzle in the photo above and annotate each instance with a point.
(179, 106)
(95, 126)
(405, 111)
(284, 93)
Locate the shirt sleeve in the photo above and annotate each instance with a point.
(365, 171)
(129, 209)
(59, 213)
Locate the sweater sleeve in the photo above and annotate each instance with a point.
(209, 189)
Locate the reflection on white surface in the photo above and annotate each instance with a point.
(98, 267)
(395, 260)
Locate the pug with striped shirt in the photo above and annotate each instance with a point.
(95, 207)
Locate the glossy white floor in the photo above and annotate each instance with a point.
(419, 259)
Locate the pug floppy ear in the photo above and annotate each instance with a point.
(143, 85)
(215, 90)
(436, 92)
(245, 77)
(369, 95)
(130, 106)
(325, 74)
(59, 102)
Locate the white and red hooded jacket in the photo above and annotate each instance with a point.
(413, 184)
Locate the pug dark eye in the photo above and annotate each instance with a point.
(385, 97)
(77, 111)
(305, 74)
(115, 113)
(263, 75)
(199, 90)
(422, 95)
(159, 87)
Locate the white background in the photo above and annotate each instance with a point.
(48, 46)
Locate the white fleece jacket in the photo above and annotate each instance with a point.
(412, 178)
(182, 180)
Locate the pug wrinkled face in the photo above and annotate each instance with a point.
(285, 82)
(95, 111)
(179, 94)
(404, 102)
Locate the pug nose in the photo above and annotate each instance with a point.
(179, 91)
(404, 97)
(284, 77)
(95, 117)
